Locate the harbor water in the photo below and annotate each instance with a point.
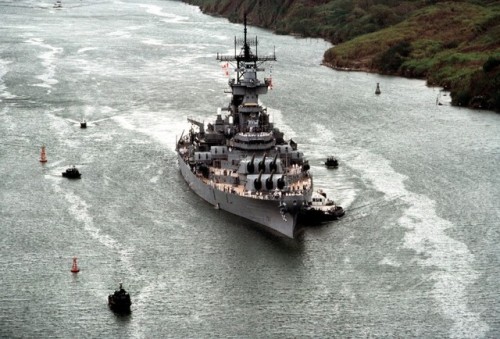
(416, 255)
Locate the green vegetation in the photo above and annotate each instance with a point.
(454, 44)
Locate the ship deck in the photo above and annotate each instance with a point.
(298, 187)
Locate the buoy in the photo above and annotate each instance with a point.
(377, 91)
(75, 268)
(43, 156)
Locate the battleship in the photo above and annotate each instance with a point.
(241, 163)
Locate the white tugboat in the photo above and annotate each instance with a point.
(241, 162)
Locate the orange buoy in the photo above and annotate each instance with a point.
(75, 268)
(43, 156)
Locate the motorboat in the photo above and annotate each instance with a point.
(331, 162)
(72, 173)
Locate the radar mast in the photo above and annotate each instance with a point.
(246, 55)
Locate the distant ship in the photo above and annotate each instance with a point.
(241, 163)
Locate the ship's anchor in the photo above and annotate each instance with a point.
(283, 210)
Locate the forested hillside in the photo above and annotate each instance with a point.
(454, 44)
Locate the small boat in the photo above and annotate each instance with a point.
(320, 209)
(331, 162)
(58, 4)
(120, 301)
(72, 173)
(83, 124)
(377, 90)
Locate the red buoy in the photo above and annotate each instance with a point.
(75, 268)
(43, 156)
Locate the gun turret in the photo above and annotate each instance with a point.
(251, 166)
(262, 164)
(281, 183)
(269, 182)
(257, 183)
(273, 166)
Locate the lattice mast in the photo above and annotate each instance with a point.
(246, 55)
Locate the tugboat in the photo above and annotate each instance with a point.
(241, 162)
(83, 124)
(72, 173)
(58, 4)
(331, 162)
(120, 301)
(320, 209)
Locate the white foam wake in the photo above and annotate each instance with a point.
(79, 210)
(157, 10)
(85, 49)
(48, 61)
(427, 236)
(3, 89)
(164, 127)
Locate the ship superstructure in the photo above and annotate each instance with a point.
(241, 162)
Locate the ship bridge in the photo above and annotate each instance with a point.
(250, 141)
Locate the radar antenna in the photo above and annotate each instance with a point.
(246, 54)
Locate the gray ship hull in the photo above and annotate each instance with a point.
(265, 212)
(241, 162)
